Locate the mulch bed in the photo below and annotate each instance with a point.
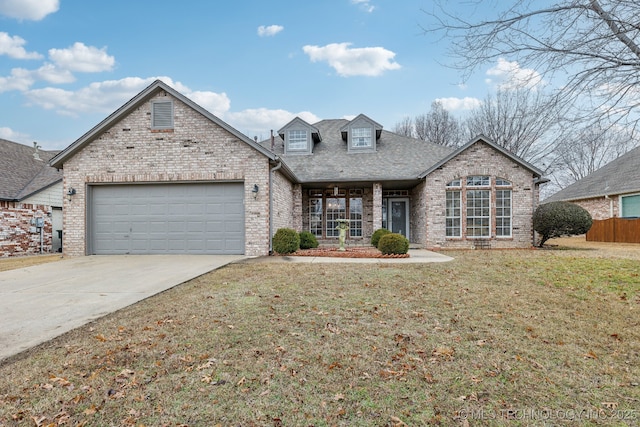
(357, 252)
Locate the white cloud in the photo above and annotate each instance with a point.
(107, 96)
(11, 135)
(271, 30)
(216, 103)
(20, 79)
(53, 74)
(259, 121)
(13, 47)
(368, 61)
(459, 104)
(508, 75)
(365, 4)
(82, 58)
(33, 10)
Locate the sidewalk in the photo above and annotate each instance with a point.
(416, 256)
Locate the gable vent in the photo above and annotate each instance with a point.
(162, 115)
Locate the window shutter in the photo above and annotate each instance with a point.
(162, 115)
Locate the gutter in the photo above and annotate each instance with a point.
(271, 171)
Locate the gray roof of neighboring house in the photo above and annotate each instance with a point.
(21, 174)
(621, 176)
(397, 158)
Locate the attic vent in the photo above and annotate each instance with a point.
(162, 115)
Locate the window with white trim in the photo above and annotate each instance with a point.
(503, 213)
(478, 181)
(630, 206)
(297, 140)
(336, 209)
(315, 217)
(453, 213)
(162, 114)
(361, 138)
(478, 213)
(355, 217)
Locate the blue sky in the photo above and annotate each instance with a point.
(67, 64)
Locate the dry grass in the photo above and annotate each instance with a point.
(492, 338)
(27, 261)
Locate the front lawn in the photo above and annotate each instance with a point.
(532, 337)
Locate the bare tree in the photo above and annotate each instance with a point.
(593, 46)
(404, 127)
(521, 121)
(438, 126)
(587, 150)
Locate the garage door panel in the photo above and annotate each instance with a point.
(167, 218)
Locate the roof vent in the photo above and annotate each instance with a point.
(36, 154)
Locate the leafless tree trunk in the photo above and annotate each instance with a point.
(438, 126)
(404, 127)
(587, 150)
(590, 46)
(519, 120)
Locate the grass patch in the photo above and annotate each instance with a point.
(494, 337)
(27, 261)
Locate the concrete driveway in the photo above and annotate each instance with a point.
(42, 302)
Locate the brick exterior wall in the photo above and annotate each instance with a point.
(283, 209)
(195, 150)
(16, 236)
(601, 207)
(478, 159)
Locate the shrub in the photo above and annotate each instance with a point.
(375, 237)
(308, 240)
(393, 243)
(286, 241)
(557, 219)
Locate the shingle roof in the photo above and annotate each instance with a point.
(397, 158)
(21, 174)
(621, 176)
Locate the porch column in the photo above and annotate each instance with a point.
(297, 208)
(377, 206)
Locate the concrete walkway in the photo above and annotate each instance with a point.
(42, 302)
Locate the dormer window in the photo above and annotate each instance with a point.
(297, 140)
(299, 137)
(361, 138)
(361, 134)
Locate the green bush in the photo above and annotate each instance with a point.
(375, 237)
(557, 219)
(286, 241)
(308, 240)
(393, 243)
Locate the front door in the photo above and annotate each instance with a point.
(397, 215)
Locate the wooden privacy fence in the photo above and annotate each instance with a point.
(621, 230)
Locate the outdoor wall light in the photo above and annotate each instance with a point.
(71, 192)
(255, 190)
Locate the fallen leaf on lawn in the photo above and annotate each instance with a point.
(91, 410)
(242, 381)
(39, 420)
(444, 352)
(338, 396)
(101, 338)
(590, 355)
(610, 405)
(397, 422)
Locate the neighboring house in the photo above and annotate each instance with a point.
(163, 175)
(30, 201)
(611, 191)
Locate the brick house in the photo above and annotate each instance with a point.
(30, 201)
(611, 191)
(163, 175)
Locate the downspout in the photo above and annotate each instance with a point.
(273, 169)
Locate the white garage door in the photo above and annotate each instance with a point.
(167, 219)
